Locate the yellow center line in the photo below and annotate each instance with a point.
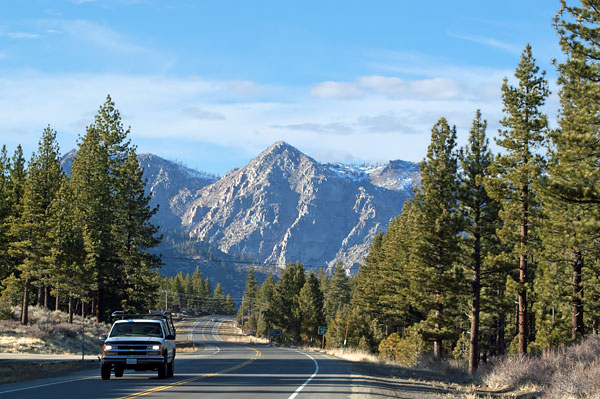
(186, 381)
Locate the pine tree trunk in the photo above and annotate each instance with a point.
(57, 304)
(523, 326)
(437, 349)
(39, 296)
(25, 306)
(577, 326)
(595, 324)
(475, 309)
(71, 309)
(45, 292)
(83, 309)
(437, 343)
(501, 328)
(100, 306)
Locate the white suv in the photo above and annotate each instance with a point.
(140, 342)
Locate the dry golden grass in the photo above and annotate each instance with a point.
(573, 372)
(49, 332)
(230, 332)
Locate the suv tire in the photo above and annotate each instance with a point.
(118, 371)
(105, 372)
(162, 369)
(171, 368)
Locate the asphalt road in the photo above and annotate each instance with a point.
(222, 370)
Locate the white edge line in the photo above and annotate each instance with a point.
(301, 387)
(47, 385)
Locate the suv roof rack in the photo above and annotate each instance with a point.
(152, 314)
(166, 314)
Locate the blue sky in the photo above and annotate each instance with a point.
(211, 84)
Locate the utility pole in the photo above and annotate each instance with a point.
(242, 314)
(346, 336)
(82, 340)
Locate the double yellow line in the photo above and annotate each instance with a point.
(187, 381)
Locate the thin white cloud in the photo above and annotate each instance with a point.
(387, 123)
(436, 89)
(22, 35)
(101, 36)
(203, 114)
(245, 88)
(391, 87)
(487, 41)
(328, 128)
(335, 90)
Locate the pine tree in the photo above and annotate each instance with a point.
(33, 227)
(310, 309)
(283, 309)
(368, 287)
(92, 193)
(5, 213)
(67, 250)
(435, 278)
(264, 298)
(517, 173)
(337, 291)
(218, 299)
(571, 194)
(15, 185)
(229, 306)
(134, 235)
(480, 215)
(16, 178)
(249, 300)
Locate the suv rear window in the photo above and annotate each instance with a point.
(137, 329)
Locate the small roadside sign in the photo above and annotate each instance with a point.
(275, 331)
(322, 330)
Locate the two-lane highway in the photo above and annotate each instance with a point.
(221, 370)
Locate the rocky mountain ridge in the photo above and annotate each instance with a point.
(282, 207)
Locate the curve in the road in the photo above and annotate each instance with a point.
(301, 387)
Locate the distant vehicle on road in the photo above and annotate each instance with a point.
(214, 320)
(139, 342)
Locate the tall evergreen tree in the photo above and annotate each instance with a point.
(337, 291)
(92, 193)
(283, 309)
(134, 235)
(310, 309)
(264, 298)
(67, 254)
(250, 293)
(33, 226)
(480, 215)
(435, 277)
(572, 194)
(5, 213)
(16, 178)
(517, 173)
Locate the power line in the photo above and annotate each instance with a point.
(277, 265)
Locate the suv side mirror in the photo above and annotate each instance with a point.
(170, 336)
(102, 337)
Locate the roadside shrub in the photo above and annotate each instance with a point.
(405, 351)
(573, 372)
(6, 312)
(461, 349)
